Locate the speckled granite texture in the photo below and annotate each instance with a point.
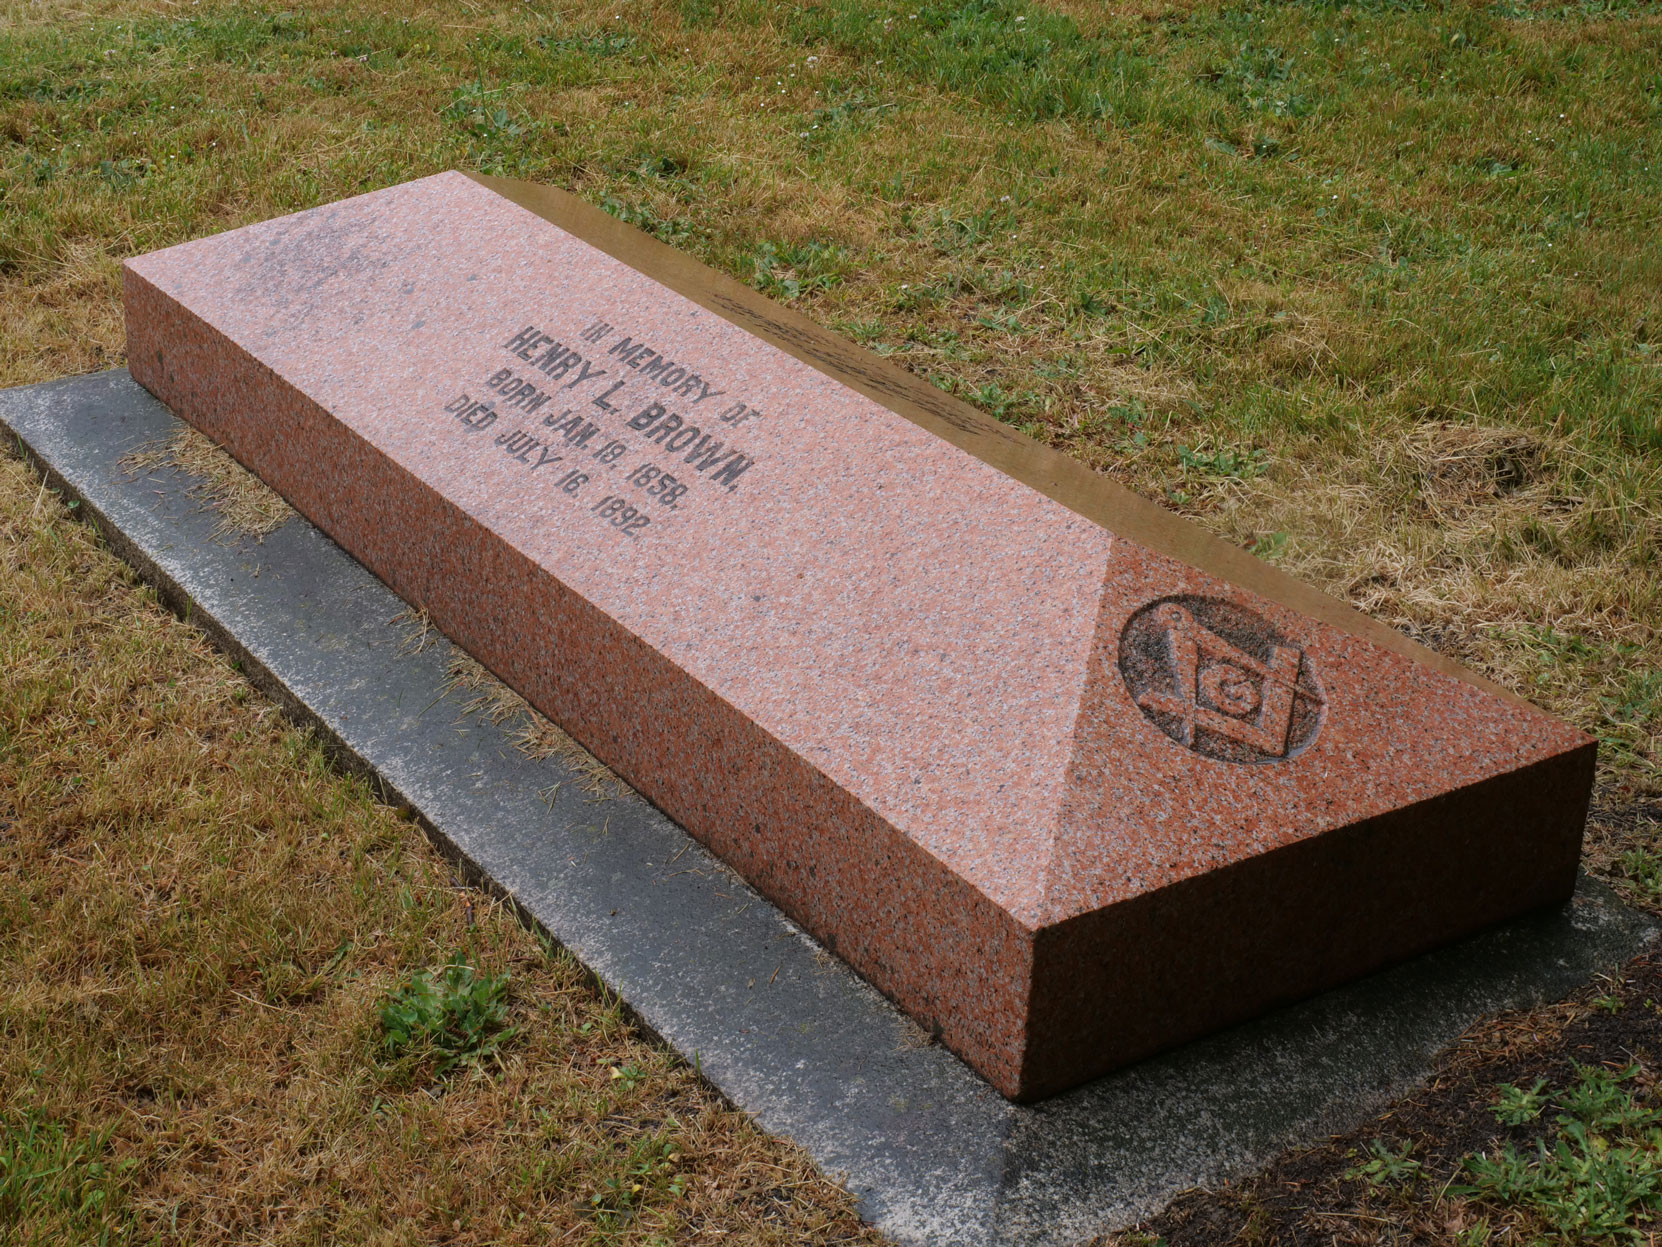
(1068, 792)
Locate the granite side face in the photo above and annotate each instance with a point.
(1067, 793)
(933, 1153)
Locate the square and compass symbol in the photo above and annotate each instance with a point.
(1221, 679)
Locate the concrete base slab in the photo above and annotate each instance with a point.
(787, 1032)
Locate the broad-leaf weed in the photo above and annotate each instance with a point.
(454, 1016)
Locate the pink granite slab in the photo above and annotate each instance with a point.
(1067, 779)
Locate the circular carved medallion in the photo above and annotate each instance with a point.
(1221, 679)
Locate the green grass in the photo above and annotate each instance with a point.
(1016, 58)
(54, 1185)
(1589, 1172)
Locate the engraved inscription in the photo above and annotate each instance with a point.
(644, 433)
(1220, 679)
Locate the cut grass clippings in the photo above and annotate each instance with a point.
(245, 505)
(533, 734)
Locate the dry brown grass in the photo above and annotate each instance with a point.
(198, 919)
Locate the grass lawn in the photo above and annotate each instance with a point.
(1373, 289)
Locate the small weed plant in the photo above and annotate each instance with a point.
(1270, 546)
(1518, 1107)
(454, 1017)
(788, 271)
(1597, 1178)
(650, 1169)
(1385, 1167)
(644, 216)
(1224, 462)
(1642, 867)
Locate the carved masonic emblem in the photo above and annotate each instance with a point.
(1220, 679)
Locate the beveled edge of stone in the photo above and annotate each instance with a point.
(1053, 473)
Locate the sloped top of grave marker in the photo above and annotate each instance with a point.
(1059, 660)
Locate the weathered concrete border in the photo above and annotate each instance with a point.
(785, 1031)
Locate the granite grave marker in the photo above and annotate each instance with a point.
(1066, 778)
